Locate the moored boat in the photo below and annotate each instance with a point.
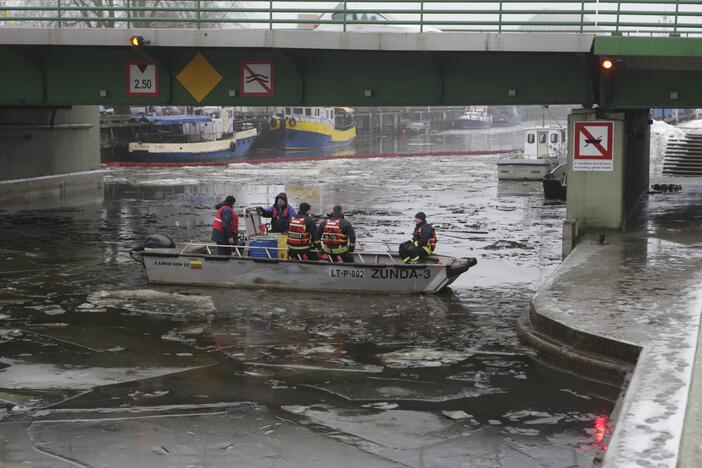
(555, 183)
(474, 117)
(300, 128)
(191, 138)
(544, 149)
(258, 266)
(230, 148)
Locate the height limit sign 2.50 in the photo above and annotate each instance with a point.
(142, 79)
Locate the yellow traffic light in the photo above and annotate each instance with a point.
(137, 41)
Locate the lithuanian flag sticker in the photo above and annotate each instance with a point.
(196, 264)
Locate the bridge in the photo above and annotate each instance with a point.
(512, 53)
(60, 56)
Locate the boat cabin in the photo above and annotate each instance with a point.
(340, 117)
(545, 142)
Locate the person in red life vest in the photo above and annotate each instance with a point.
(279, 212)
(423, 241)
(302, 235)
(337, 237)
(225, 228)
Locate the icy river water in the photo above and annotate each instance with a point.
(97, 368)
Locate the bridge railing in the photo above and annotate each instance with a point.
(626, 17)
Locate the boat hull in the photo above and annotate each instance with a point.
(506, 121)
(471, 124)
(300, 139)
(167, 266)
(523, 169)
(193, 152)
(553, 189)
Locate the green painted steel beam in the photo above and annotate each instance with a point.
(648, 46)
(21, 81)
(628, 89)
(98, 75)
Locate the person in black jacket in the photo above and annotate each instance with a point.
(337, 237)
(279, 212)
(302, 235)
(423, 241)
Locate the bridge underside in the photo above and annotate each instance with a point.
(65, 75)
(89, 66)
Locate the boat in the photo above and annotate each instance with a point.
(555, 183)
(259, 264)
(505, 116)
(415, 127)
(208, 135)
(300, 128)
(544, 149)
(474, 117)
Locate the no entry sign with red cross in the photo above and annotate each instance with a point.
(593, 146)
(257, 78)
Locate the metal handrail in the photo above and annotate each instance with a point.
(673, 17)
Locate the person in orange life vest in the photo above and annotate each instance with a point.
(302, 235)
(279, 212)
(423, 241)
(337, 237)
(225, 228)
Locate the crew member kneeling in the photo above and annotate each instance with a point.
(423, 241)
(225, 228)
(337, 237)
(302, 235)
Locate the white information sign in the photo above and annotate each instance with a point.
(142, 79)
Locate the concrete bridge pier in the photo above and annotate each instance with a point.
(49, 157)
(608, 167)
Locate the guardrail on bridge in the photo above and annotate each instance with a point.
(625, 17)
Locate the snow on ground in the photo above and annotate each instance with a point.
(661, 132)
(691, 125)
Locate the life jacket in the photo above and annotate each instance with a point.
(217, 224)
(277, 213)
(298, 237)
(429, 248)
(333, 240)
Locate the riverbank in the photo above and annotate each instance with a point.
(634, 303)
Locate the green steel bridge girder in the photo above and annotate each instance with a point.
(651, 72)
(75, 75)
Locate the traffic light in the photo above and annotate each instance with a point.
(137, 41)
(608, 64)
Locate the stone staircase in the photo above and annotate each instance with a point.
(683, 156)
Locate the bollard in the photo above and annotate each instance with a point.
(570, 235)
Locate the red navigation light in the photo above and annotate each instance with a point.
(607, 64)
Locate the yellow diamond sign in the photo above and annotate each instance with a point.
(199, 77)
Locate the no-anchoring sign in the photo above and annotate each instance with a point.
(593, 146)
(142, 79)
(257, 78)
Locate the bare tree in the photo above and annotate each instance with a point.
(125, 13)
(149, 13)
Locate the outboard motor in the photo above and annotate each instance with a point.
(158, 241)
(154, 241)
